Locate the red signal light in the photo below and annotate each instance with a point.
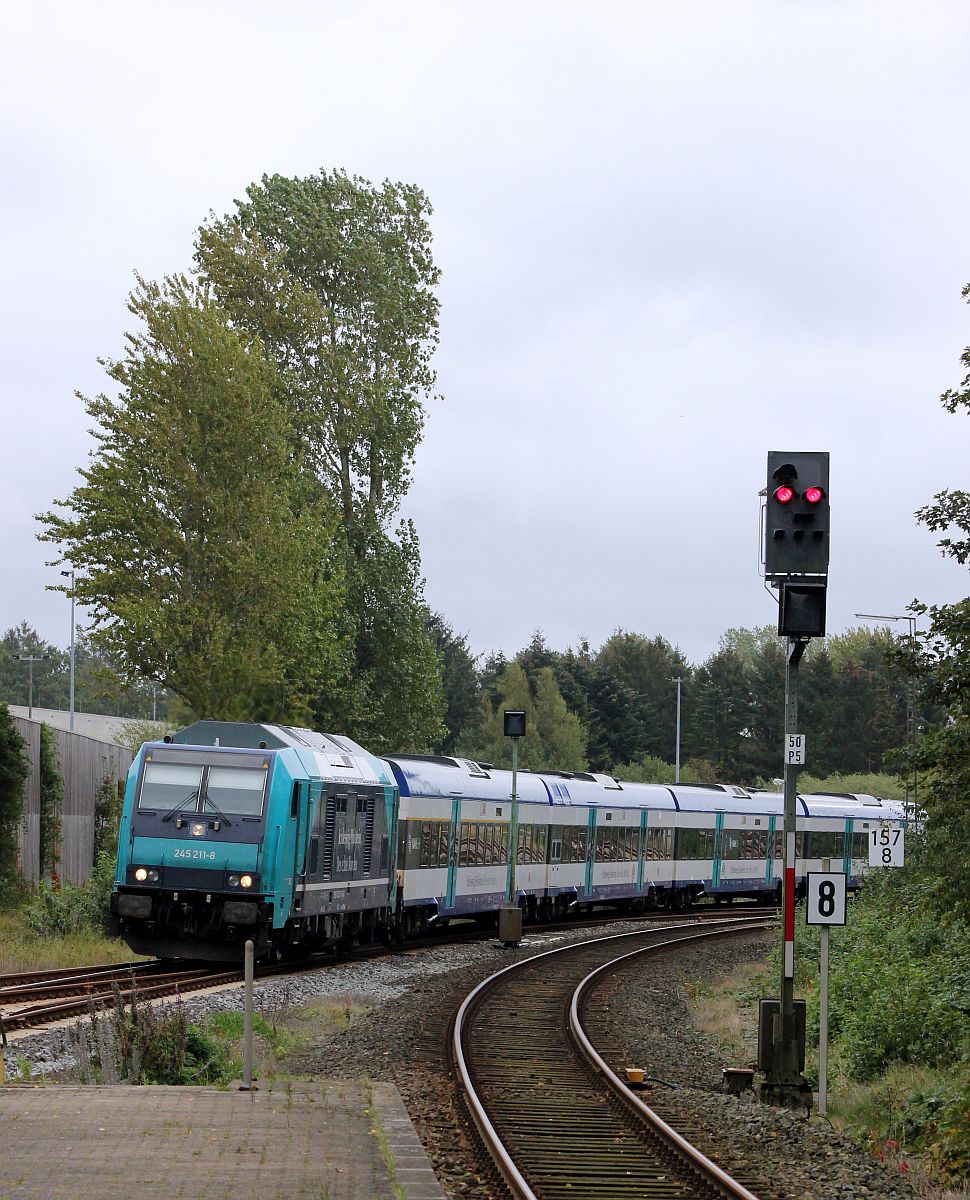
(784, 494)
(814, 495)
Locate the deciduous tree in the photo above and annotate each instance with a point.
(197, 538)
(336, 279)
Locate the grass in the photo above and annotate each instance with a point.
(338, 1011)
(23, 950)
(727, 1010)
(387, 1154)
(876, 1114)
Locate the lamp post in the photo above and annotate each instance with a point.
(911, 689)
(677, 679)
(70, 575)
(30, 659)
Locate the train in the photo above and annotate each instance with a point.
(299, 841)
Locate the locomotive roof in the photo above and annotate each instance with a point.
(327, 755)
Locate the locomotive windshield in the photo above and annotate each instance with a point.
(236, 790)
(176, 788)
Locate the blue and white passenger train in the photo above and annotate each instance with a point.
(301, 840)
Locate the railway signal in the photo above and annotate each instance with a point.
(796, 562)
(797, 514)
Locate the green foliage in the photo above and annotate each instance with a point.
(52, 911)
(886, 787)
(334, 278)
(463, 711)
(937, 1121)
(555, 739)
(195, 535)
(14, 769)
(899, 1003)
(940, 661)
(649, 769)
(108, 801)
(899, 985)
(228, 1029)
(137, 1043)
(51, 801)
(392, 697)
(50, 674)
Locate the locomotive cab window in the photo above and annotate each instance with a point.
(173, 788)
(167, 785)
(236, 790)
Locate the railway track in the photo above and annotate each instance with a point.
(63, 995)
(31, 999)
(555, 1119)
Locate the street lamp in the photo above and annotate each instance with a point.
(911, 689)
(677, 679)
(70, 574)
(30, 659)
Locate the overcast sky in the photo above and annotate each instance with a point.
(673, 236)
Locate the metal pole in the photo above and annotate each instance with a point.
(72, 653)
(788, 1075)
(911, 715)
(514, 822)
(823, 1013)
(678, 681)
(30, 659)
(248, 1019)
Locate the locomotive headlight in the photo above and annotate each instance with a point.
(141, 874)
(153, 876)
(233, 881)
(197, 829)
(246, 880)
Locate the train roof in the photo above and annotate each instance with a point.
(439, 775)
(848, 804)
(326, 755)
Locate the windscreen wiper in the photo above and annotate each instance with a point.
(206, 800)
(181, 804)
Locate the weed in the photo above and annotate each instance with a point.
(137, 1043)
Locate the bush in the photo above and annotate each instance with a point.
(51, 801)
(650, 769)
(938, 1122)
(108, 801)
(52, 911)
(139, 1044)
(14, 769)
(899, 978)
(887, 787)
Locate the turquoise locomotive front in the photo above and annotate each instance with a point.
(234, 832)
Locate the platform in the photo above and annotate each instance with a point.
(325, 1139)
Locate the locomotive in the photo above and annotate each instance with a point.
(301, 840)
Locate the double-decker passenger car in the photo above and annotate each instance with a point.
(588, 839)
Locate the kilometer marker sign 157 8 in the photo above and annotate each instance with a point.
(886, 843)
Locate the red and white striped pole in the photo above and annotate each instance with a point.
(789, 904)
(787, 1074)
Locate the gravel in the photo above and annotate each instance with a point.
(404, 1006)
